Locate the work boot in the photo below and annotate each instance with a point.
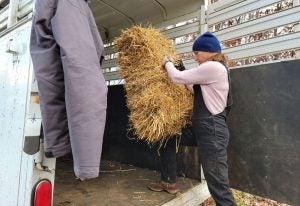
(164, 186)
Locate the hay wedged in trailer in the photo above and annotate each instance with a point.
(159, 109)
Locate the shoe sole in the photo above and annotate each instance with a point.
(160, 190)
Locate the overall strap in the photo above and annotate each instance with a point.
(229, 96)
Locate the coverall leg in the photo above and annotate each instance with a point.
(66, 49)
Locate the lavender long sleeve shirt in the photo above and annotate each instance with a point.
(212, 78)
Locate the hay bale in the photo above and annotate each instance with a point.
(158, 108)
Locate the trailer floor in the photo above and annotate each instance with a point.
(120, 185)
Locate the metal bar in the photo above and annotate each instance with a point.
(203, 18)
(12, 12)
(162, 8)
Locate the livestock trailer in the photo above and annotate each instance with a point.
(262, 41)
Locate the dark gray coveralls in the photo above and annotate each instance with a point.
(66, 49)
(212, 136)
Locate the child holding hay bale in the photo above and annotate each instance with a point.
(212, 99)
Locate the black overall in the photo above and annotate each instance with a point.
(212, 137)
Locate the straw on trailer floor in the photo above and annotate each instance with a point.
(118, 185)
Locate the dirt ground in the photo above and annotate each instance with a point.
(246, 199)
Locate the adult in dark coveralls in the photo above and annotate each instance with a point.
(66, 50)
(210, 84)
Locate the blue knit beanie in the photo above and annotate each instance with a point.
(207, 42)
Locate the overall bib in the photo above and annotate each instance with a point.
(212, 135)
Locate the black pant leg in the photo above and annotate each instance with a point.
(212, 136)
(168, 161)
(216, 174)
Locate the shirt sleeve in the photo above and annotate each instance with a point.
(190, 88)
(206, 73)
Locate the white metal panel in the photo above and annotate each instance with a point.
(109, 63)
(237, 9)
(180, 18)
(262, 44)
(18, 173)
(14, 76)
(262, 47)
(24, 3)
(223, 4)
(25, 7)
(190, 63)
(183, 30)
(112, 75)
(183, 48)
(109, 50)
(33, 120)
(3, 17)
(30, 174)
(272, 21)
(34, 87)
